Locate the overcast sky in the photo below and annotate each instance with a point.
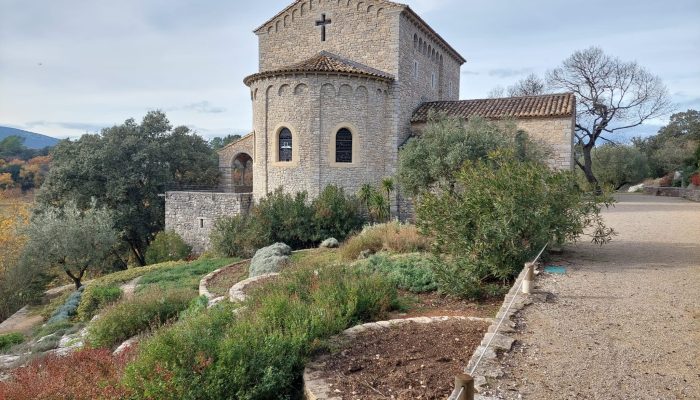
(73, 66)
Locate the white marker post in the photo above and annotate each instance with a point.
(529, 277)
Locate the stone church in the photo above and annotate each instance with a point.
(342, 84)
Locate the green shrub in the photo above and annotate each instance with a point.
(260, 353)
(167, 246)
(185, 276)
(10, 339)
(290, 219)
(413, 273)
(500, 213)
(134, 316)
(236, 236)
(187, 348)
(336, 215)
(95, 297)
(282, 217)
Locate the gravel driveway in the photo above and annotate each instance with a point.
(624, 321)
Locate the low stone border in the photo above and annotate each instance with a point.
(237, 291)
(316, 388)
(489, 366)
(204, 282)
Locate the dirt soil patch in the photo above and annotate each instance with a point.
(408, 361)
(220, 284)
(254, 286)
(433, 304)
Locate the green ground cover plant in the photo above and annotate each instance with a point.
(10, 339)
(260, 353)
(185, 276)
(167, 246)
(150, 309)
(412, 272)
(95, 297)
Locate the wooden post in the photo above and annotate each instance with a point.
(465, 382)
(529, 276)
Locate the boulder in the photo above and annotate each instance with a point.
(269, 259)
(330, 243)
(636, 188)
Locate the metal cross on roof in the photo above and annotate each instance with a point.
(322, 23)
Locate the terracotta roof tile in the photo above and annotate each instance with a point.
(544, 106)
(324, 62)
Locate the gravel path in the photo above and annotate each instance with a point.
(624, 322)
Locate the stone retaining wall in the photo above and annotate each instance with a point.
(192, 214)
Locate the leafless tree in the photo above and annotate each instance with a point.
(496, 92)
(532, 85)
(611, 95)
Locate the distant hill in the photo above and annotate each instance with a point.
(31, 139)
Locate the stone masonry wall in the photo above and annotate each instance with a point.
(557, 134)
(314, 108)
(230, 152)
(192, 214)
(364, 31)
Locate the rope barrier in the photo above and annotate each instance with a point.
(493, 335)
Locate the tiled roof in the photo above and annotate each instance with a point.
(324, 63)
(544, 106)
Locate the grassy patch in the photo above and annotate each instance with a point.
(10, 339)
(186, 276)
(128, 318)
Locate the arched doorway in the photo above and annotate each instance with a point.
(242, 173)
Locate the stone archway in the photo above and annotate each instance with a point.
(242, 173)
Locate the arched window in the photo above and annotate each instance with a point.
(285, 145)
(343, 146)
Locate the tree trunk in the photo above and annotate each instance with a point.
(76, 279)
(587, 169)
(139, 257)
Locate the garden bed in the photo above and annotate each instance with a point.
(407, 360)
(431, 304)
(220, 283)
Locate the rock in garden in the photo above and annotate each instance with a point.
(330, 243)
(269, 259)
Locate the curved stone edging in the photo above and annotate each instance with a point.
(213, 299)
(316, 388)
(237, 291)
(204, 291)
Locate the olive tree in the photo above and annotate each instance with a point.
(70, 239)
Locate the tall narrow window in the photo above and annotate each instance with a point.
(285, 145)
(415, 69)
(432, 80)
(343, 146)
